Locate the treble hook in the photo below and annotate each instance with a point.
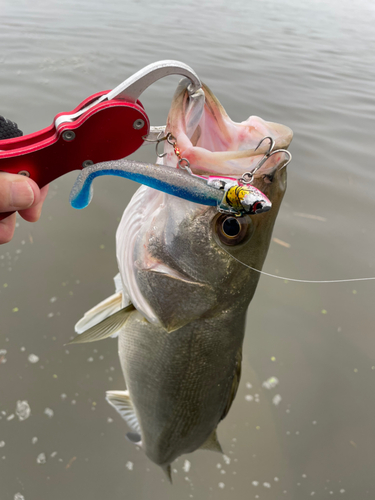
(160, 155)
(169, 138)
(288, 153)
(248, 177)
(158, 141)
(272, 145)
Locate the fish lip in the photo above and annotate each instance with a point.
(259, 124)
(282, 134)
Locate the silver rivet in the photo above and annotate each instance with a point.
(68, 135)
(87, 163)
(24, 172)
(138, 124)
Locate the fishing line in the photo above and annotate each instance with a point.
(294, 279)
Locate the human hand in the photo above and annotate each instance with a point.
(23, 195)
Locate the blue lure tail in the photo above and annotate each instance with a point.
(166, 179)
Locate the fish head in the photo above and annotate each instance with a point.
(181, 261)
(187, 260)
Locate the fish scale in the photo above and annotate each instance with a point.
(185, 365)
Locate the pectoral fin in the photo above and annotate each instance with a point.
(101, 311)
(212, 443)
(121, 402)
(105, 328)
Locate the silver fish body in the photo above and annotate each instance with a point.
(180, 351)
(180, 383)
(180, 342)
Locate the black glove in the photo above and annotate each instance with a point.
(8, 129)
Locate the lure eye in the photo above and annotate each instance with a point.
(232, 230)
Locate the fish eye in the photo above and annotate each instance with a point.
(231, 227)
(232, 230)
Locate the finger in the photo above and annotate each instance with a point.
(32, 214)
(17, 192)
(7, 229)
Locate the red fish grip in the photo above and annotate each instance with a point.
(109, 130)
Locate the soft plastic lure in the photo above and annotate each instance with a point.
(225, 193)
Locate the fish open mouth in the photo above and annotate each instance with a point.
(212, 142)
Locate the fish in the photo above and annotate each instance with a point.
(182, 292)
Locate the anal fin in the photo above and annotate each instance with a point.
(168, 471)
(212, 443)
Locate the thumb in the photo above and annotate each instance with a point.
(16, 192)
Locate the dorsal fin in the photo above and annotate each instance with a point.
(121, 402)
(212, 443)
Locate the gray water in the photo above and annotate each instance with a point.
(309, 65)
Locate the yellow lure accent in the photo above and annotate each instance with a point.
(235, 195)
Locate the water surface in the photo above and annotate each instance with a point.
(309, 65)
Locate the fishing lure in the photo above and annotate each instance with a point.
(225, 193)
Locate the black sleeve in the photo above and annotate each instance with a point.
(8, 129)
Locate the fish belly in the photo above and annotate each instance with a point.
(179, 382)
